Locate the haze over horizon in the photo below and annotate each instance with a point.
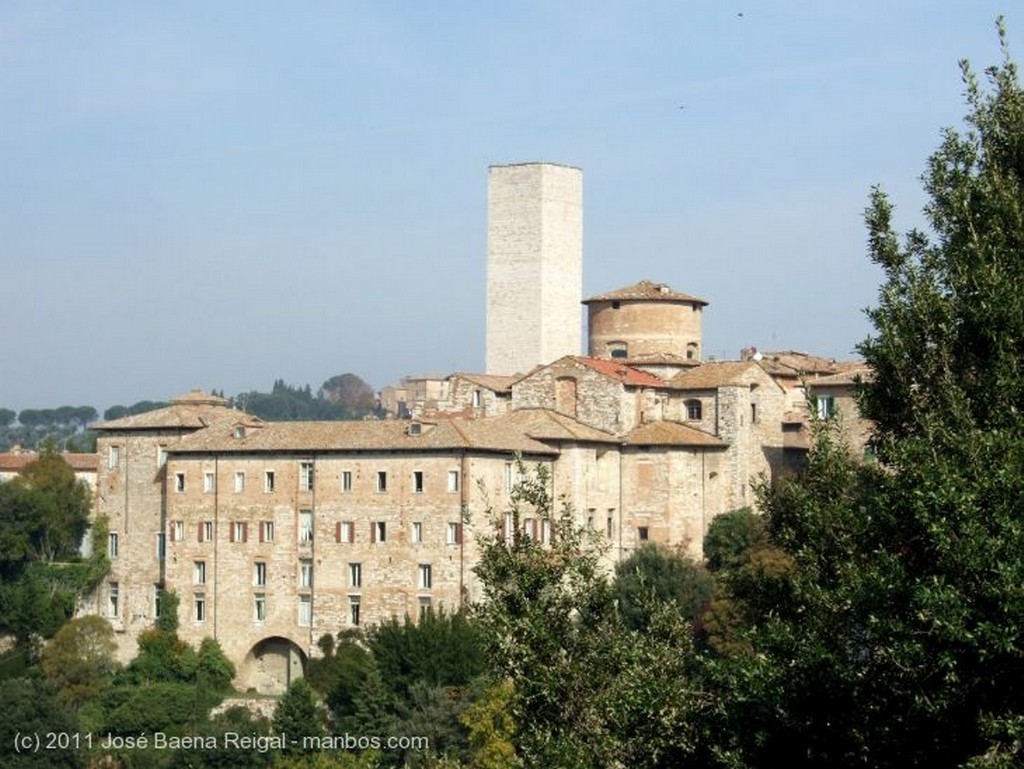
(200, 196)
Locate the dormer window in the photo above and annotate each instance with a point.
(415, 428)
(618, 350)
(239, 431)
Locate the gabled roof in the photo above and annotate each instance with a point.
(711, 375)
(794, 363)
(664, 433)
(192, 410)
(548, 425)
(494, 382)
(14, 462)
(631, 377)
(847, 378)
(646, 291)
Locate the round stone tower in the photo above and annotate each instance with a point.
(644, 322)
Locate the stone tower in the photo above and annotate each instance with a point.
(644, 322)
(534, 265)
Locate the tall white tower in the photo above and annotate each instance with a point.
(534, 265)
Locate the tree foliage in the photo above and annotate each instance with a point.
(588, 691)
(896, 635)
(654, 576)
(79, 661)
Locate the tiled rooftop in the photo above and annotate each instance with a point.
(646, 291)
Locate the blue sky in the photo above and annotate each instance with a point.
(220, 194)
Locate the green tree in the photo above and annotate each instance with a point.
(79, 661)
(7, 417)
(28, 707)
(588, 690)
(654, 575)
(299, 716)
(897, 636)
(62, 503)
(730, 536)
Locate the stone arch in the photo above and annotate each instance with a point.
(271, 665)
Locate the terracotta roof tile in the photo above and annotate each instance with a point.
(671, 434)
(192, 410)
(628, 376)
(709, 376)
(15, 462)
(495, 382)
(646, 290)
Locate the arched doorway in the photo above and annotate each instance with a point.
(271, 665)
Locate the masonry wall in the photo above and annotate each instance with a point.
(673, 494)
(534, 265)
(585, 394)
(305, 583)
(646, 327)
(130, 495)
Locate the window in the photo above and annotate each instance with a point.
(161, 545)
(545, 531)
(346, 480)
(355, 575)
(610, 530)
(305, 573)
(179, 482)
(454, 533)
(239, 431)
(619, 350)
(177, 531)
(305, 610)
(259, 607)
(424, 607)
(305, 525)
(753, 413)
(259, 573)
(353, 609)
(239, 482)
(112, 545)
(379, 531)
(208, 483)
(824, 406)
(346, 532)
(382, 481)
(266, 531)
(113, 597)
(693, 410)
(268, 482)
(239, 531)
(158, 601)
(199, 607)
(691, 351)
(508, 476)
(453, 481)
(206, 531)
(417, 481)
(477, 399)
(114, 457)
(417, 532)
(161, 456)
(426, 578)
(199, 572)
(529, 528)
(306, 476)
(643, 533)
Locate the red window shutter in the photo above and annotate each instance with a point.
(199, 533)
(263, 532)
(458, 534)
(533, 529)
(170, 532)
(231, 532)
(245, 531)
(337, 531)
(373, 532)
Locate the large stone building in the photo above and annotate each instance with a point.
(274, 534)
